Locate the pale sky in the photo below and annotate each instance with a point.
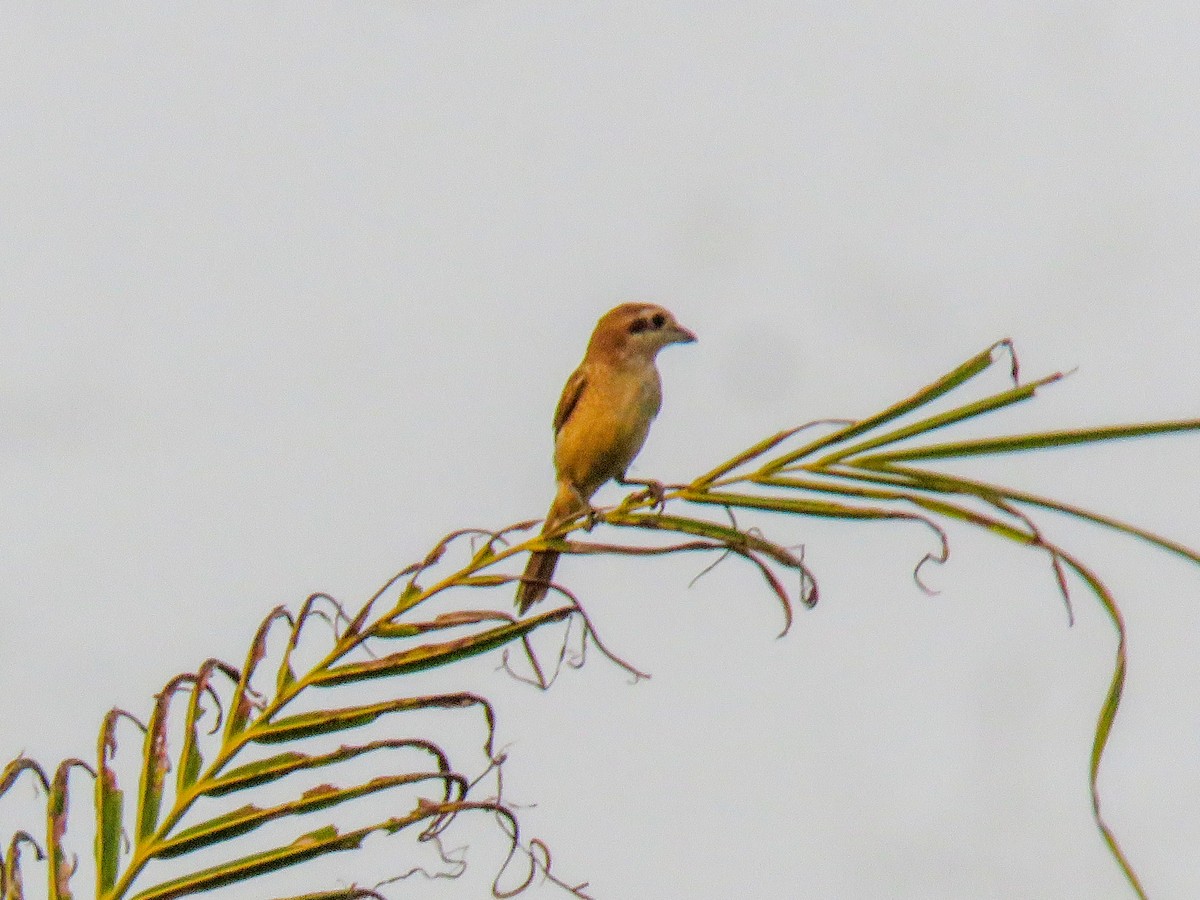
(288, 291)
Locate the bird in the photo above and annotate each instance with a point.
(602, 420)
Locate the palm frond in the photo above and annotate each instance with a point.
(877, 469)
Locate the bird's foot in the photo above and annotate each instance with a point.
(591, 518)
(653, 490)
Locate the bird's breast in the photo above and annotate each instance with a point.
(608, 426)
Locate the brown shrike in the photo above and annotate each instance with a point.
(602, 419)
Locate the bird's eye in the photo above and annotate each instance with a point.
(658, 320)
(638, 326)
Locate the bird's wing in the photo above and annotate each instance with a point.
(572, 391)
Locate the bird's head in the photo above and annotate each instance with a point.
(637, 331)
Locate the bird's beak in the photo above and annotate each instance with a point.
(681, 335)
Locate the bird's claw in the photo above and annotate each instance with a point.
(590, 518)
(656, 491)
(652, 490)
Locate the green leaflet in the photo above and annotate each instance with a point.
(1021, 442)
(744, 457)
(316, 843)
(733, 538)
(484, 580)
(275, 767)
(820, 508)
(399, 629)
(239, 715)
(11, 881)
(57, 807)
(428, 656)
(942, 420)
(190, 763)
(960, 375)
(304, 725)
(22, 764)
(285, 677)
(248, 818)
(940, 507)
(155, 761)
(190, 760)
(110, 808)
(110, 805)
(409, 598)
(930, 480)
(394, 630)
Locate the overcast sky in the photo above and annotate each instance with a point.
(288, 291)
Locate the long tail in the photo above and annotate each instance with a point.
(536, 580)
(539, 570)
